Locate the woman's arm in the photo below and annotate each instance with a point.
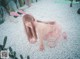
(41, 47)
(48, 22)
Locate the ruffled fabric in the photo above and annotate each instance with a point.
(51, 33)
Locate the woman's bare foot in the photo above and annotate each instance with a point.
(41, 47)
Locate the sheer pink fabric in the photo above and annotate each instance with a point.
(49, 32)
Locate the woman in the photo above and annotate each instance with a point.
(50, 31)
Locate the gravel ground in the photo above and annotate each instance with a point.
(45, 10)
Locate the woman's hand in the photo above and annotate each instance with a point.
(28, 24)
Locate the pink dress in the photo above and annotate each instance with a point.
(48, 32)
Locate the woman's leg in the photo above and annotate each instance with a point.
(41, 46)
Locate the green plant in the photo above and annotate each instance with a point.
(36, 0)
(2, 47)
(77, 0)
(21, 2)
(78, 11)
(21, 57)
(71, 3)
(28, 57)
(1, 15)
(17, 3)
(12, 54)
(4, 4)
(7, 6)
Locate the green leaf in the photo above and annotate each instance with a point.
(5, 40)
(10, 49)
(28, 57)
(21, 56)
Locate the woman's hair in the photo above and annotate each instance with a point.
(29, 18)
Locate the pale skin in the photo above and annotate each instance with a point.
(42, 29)
(50, 31)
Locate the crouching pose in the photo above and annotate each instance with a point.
(49, 31)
